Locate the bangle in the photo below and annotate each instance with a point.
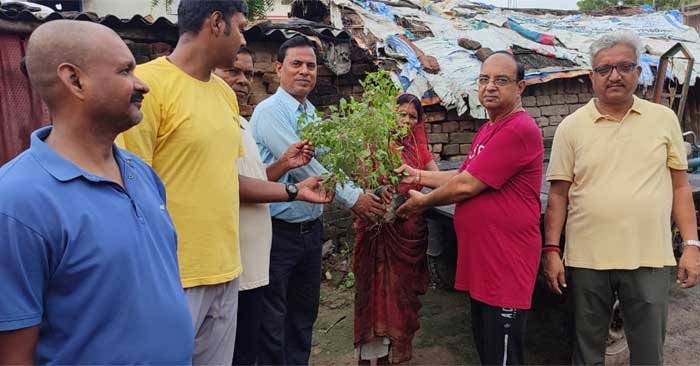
(418, 171)
(551, 249)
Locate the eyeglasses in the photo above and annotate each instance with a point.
(498, 81)
(622, 68)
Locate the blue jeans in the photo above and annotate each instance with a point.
(291, 300)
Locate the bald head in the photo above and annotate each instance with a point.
(64, 42)
(85, 74)
(503, 58)
(500, 84)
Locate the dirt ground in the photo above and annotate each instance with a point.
(445, 336)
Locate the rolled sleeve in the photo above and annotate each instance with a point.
(561, 160)
(24, 274)
(348, 195)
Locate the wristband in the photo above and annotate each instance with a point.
(551, 249)
(692, 243)
(551, 246)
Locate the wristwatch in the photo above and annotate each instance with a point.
(692, 243)
(292, 191)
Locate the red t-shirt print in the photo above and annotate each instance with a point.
(498, 231)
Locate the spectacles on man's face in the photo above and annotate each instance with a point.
(498, 81)
(622, 68)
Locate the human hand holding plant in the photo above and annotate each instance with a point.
(369, 207)
(413, 204)
(312, 190)
(387, 194)
(298, 154)
(409, 174)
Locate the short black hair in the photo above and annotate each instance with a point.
(296, 41)
(247, 51)
(520, 73)
(192, 13)
(410, 98)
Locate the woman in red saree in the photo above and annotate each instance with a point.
(390, 262)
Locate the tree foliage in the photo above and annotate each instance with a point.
(258, 9)
(358, 140)
(601, 4)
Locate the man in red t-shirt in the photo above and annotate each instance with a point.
(497, 191)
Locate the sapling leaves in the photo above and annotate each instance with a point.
(360, 139)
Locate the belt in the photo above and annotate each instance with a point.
(299, 227)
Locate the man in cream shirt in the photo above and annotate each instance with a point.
(618, 175)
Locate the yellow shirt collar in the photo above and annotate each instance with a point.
(596, 116)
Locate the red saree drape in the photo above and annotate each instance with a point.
(391, 269)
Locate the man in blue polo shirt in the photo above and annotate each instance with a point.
(88, 264)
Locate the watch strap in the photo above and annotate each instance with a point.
(692, 243)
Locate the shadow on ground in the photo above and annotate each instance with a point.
(445, 334)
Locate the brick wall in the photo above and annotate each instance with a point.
(330, 88)
(450, 135)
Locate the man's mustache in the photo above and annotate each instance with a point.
(136, 98)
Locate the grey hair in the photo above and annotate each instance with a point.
(610, 40)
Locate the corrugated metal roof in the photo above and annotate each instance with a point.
(137, 21)
(277, 31)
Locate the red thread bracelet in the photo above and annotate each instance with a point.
(551, 249)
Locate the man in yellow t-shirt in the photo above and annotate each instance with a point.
(618, 174)
(191, 136)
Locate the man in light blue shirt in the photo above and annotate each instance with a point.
(292, 297)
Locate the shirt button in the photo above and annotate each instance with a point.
(131, 176)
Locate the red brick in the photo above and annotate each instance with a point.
(456, 158)
(461, 137)
(467, 125)
(436, 138)
(432, 117)
(450, 126)
(549, 131)
(558, 99)
(451, 149)
(270, 77)
(529, 101)
(534, 112)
